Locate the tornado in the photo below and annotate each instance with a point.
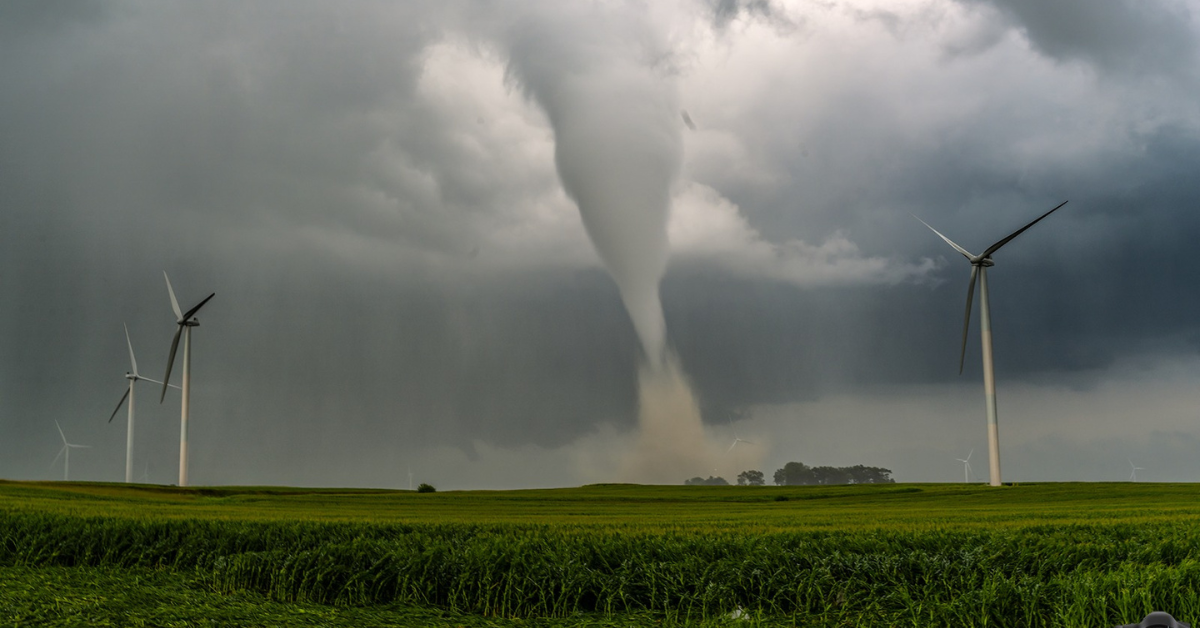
(617, 142)
(600, 74)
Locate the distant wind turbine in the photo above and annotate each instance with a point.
(66, 449)
(133, 376)
(979, 266)
(1133, 471)
(736, 439)
(966, 467)
(185, 323)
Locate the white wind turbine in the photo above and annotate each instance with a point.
(979, 266)
(966, 467)
(185, 323)
(66, 449)
(736, 439)
(1133, 471)
(133, 376)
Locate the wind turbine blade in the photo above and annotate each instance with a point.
(155, 381)
(80, 446)
(967, 317)
(132, 360)
(731, 445)
(174, 303)
(64, 436)
(969, 454)
(193, 311)
(996, 247)
(60, 453)
(119, 404)
(170, 362)
(948, 240)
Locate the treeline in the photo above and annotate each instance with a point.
(800, 474)
(745, 478)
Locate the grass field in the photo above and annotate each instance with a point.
(871, 555)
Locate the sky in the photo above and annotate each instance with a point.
(427, 225)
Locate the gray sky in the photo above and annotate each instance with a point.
(403, 283)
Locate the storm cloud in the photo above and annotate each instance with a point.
(403, 280)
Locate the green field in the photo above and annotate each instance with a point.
(610, 555)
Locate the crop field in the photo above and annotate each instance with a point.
(606, 555)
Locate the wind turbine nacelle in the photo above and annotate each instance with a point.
(985, 262)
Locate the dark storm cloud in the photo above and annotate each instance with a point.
(1082, 289)
(1120, 35)
(30, 18)
(219, 142)
(290, 158)
(1099, 279)
(243, 117)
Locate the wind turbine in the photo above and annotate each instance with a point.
(66, 449)
(1133, 471)
(979, 266)
(133, 376)
(736, 439)
(966, 467)
(185, 323)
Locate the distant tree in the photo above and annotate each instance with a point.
(711, 481)
(870, 475)
(794, 474)
(426, 488)
(751, 478)
(829, 475)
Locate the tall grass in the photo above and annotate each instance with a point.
(1077, 575)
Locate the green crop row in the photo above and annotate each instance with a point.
(690, 509)
(1038, 576)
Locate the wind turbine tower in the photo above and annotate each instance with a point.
(184, 323)
(133, 376)
(979, 265)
